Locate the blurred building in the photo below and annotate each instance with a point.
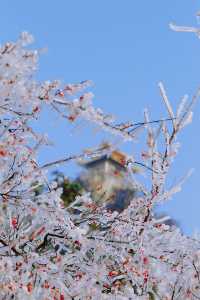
(108, 180)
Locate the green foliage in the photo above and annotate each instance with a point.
(70, 191)
(71, 188)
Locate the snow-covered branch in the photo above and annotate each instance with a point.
(84, 251)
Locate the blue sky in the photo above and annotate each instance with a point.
(125, 48)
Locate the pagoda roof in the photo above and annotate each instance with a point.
(116, 157)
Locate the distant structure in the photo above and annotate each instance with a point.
(107, 178)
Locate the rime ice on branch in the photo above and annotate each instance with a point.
(187, 28)
(48, 253)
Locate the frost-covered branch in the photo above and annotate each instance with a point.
(85, 251)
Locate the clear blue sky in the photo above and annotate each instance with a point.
(125, 47)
